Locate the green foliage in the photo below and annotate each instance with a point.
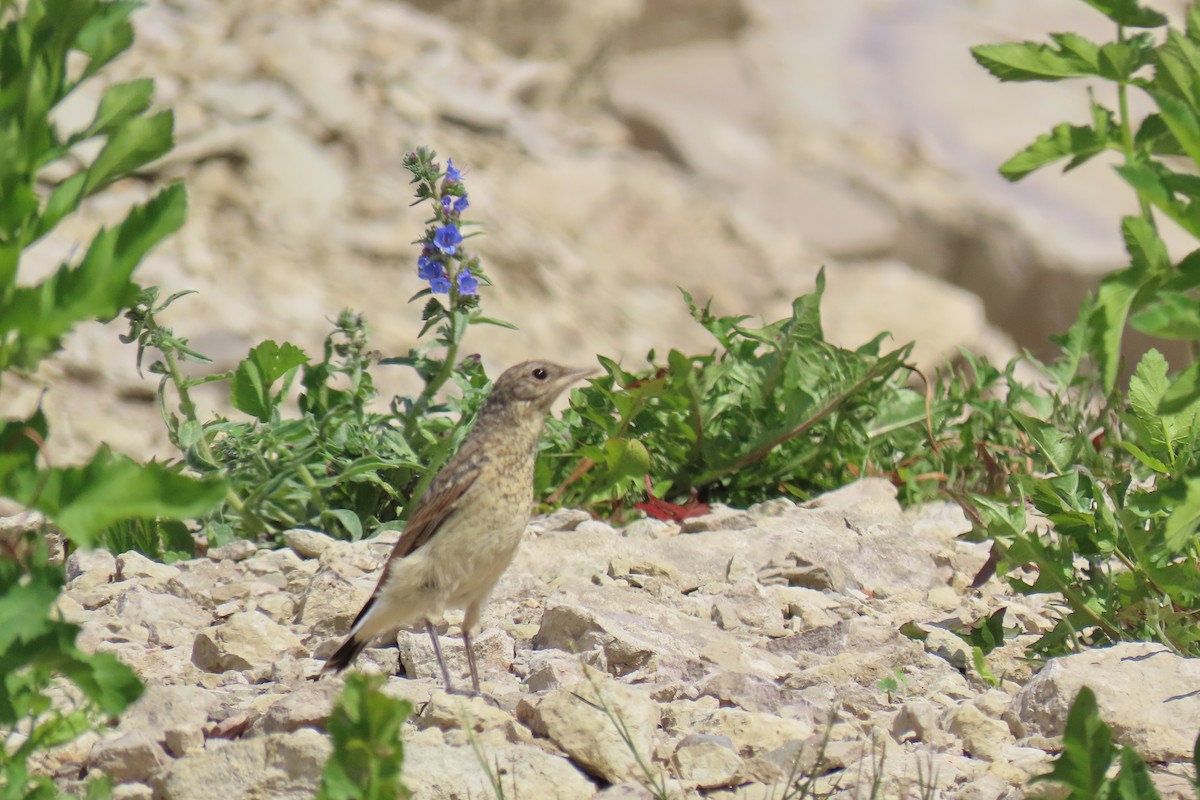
(778, 409)
(338, 465)
(46, 51)
(36, 646)
(34, 79)
(1115, 470)
(368, 753)
(50, 690)
(1088, 755)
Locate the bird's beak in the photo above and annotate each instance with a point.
(579, 374)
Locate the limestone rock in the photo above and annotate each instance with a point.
(1149, 696)
(88, 568)
(132, 756)
(246, 641)
(134, 565)
(279, 765)
(307, 543)
(452, 772)
(307, 706)
(170, 715)
(706, 762)
(571, 719)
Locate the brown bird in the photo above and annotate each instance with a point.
(464, 530)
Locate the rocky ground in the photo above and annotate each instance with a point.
(729, 646)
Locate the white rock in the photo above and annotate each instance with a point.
(442, 772)
(88, 568)
(307, 543)
(1149, 696)
(132, 756)
(133, 565)
(572, 720)
(706, 762)
(247, 640)
(279, 765)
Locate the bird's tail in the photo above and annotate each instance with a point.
(354, 644)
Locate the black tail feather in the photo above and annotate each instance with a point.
(345, 654)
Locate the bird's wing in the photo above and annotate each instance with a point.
(436, 505)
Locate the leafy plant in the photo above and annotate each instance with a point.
(336, 465)
(48, 48)
(368, 753)
(35, 647)
(1114, 470)
(777, 409)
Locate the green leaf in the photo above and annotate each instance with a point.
(258, 372)
(1058, 447)
(1170, 315)
(348, 520)
(1148, 384)
(120, 103)
(1074, 57)
(1113, 301)
(131, 146)
(1133, 781)
(368, 752)
(1081, 142)
(83, 501)
(106, 35)
(1129, 13)
(99, 288)
(1181, 120)
(1184, 519)
(626, 458)
(1087, 749)
(25, 605)
(1183, 392)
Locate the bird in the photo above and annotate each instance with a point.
(464, 529)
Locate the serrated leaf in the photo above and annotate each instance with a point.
(106, 34)
(131, 146)
(255, 376)
(1184, 519)
(1113, 301)
(119, 103)
(1129, 13)
(1183, 392)
(1181, 120)
(85, 500)
(1171, 315)
(1148, 384)
(1028, 61)
(1081, 142)
(100, 287)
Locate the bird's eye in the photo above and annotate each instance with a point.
(539, 373)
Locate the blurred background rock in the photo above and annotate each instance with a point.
(614, 151)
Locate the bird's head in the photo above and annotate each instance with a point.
(534, 384)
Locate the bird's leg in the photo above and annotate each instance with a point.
(437, 651)
(466, 634)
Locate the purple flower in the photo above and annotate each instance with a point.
(440, 284)
(447, 239)
(448, 204)
(461, 204)
(468, 284)
(427, 268)
(452, 172)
